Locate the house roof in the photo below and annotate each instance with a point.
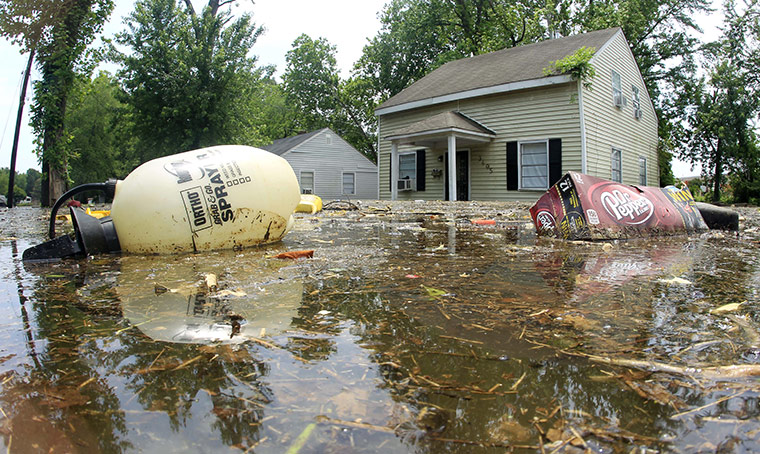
(282, 146)
(503, 67)
(429, 131)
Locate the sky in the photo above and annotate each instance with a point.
(347, 24)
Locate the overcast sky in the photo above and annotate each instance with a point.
(347, 24)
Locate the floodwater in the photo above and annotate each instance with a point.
(413, 332)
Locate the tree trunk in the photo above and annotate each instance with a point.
(57, 80)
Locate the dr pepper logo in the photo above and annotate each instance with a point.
(624, 205)
(545, 220)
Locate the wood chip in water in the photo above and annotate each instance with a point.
(461, 339)
(293, 255)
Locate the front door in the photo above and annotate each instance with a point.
(463, 175)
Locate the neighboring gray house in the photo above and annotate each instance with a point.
(513, 129)
(326, 165)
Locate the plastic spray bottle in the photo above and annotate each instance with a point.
(223, 197)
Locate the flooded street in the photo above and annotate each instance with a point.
(410, 330)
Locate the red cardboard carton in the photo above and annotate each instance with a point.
(583, 207)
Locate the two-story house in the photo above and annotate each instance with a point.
(513, 130)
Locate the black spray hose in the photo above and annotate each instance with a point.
(109, 187)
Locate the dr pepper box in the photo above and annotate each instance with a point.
(582, 207)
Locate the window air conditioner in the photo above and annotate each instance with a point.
(617, 99)
(407, 184)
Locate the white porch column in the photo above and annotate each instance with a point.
(452, 167)
(394, 170)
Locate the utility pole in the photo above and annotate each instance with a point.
(22, 98)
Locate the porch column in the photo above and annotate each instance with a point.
(452, 167)
(394, 170)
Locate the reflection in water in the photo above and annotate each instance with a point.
(187, 299)
(418, 335)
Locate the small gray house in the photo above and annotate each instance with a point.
(512, 130)
(326, 165)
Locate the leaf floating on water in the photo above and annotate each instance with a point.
(293, 255)
(434, 292)
(674, 281)
(440, 247)
(727, 308)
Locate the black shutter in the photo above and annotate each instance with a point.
(420, 170)
(512, 183)
(555, 161)
(390, 172)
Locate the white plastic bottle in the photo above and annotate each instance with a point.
(223, 197)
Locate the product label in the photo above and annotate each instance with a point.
(215, 173)
(197, 210)
(627, 207)
(545, 220)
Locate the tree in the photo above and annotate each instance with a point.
(724, 104)
(100, 130)
(311, 82)
(25, 22)
(320, 99)
(187, 76)
(60, 43)
(33, 184)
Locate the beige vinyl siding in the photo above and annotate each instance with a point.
(609, 127)
(535, 114)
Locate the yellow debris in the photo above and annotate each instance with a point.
(310, 204)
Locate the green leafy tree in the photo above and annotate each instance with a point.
(311, 82)
(59, 55)
(320, 99)
(20, 183)
(100, 131)
(58, 31)
(724, 105)
(187, 76)
(33, 184)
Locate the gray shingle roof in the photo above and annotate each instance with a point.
(445, 121)
(505, 66)
(281, 146)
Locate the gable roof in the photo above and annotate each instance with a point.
(282, 146)
(503, 68)
(452, 121)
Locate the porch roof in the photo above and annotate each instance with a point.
(435, 130)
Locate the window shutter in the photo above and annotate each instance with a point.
(512, 184)
(390, 172)
(420, 170)
(555, 161)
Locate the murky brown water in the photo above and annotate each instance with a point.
(404, 333)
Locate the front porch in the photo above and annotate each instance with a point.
(450, 132)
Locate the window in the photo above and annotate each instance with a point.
(636, 102)
(617, 91)
(407, 166)
(328, 139)
(642, 170)
(534, 165)
(616, 165)
(307, 182)
(349, 183)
